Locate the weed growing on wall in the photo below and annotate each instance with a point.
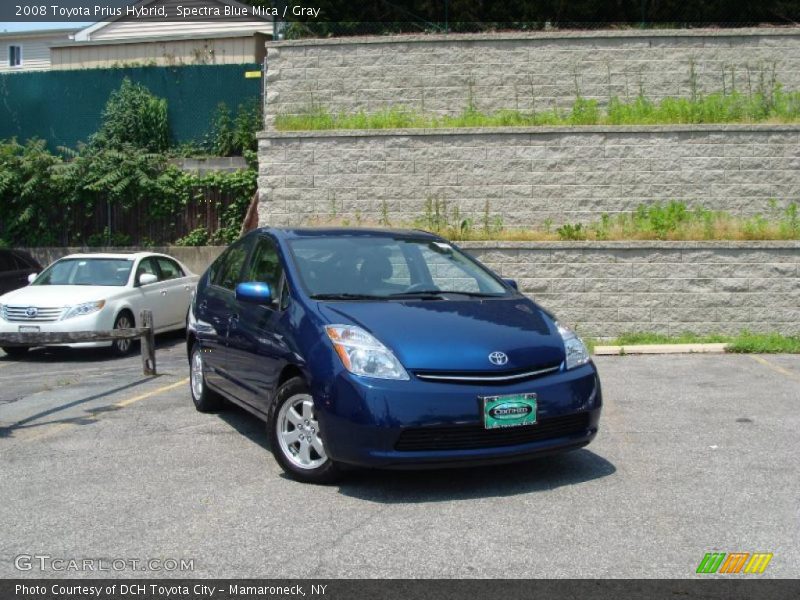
(764, 100)
(672, 220)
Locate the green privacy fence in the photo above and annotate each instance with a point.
(64, 107)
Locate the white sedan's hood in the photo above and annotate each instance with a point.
(59, 295)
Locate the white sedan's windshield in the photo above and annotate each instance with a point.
(87, 271)
(386, 267)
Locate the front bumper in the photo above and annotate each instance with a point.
(102, 320)
(364, 420)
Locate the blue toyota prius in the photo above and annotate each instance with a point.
(383, 348)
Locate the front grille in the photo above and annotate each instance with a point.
(473, 437)
(488, 377)
(19, 314)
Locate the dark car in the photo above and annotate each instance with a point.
(385, 349)
(15, 267)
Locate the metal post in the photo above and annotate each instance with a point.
(148, 343)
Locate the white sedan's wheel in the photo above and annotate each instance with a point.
(122, 347)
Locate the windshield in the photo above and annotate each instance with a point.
(387, 267)
(86, 271)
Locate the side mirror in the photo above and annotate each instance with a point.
(254, 292)
(32, 277)
(512, 283)
(147, 279)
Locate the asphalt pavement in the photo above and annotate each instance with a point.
(696, 454)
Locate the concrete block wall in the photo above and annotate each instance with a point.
(606, 289)
(523, 71)
(524, 176)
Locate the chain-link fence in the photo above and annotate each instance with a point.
(65, 107)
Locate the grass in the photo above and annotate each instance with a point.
(660, 221)
(772, 105)
(745, 342)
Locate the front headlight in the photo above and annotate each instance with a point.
(576, 351)
(362, 354)
(84, 309)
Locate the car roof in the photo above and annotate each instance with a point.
(307, 232)
(118, 255)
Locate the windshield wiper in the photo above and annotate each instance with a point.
(419, 294)
(439, 293)
(346, 296)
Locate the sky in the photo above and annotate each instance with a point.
(19, 26)
(15, 25)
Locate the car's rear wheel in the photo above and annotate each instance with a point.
(15, 351)
(295, 436)
(205, 400)
(124, 320)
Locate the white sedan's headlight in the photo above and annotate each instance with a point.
(84, 309)
(576, 351)
(362, 354)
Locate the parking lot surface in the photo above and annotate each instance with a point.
(695, 454)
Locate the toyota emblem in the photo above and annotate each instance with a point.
(31, 312)
(498, 358)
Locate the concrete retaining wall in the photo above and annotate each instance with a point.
(441, 73)
(524, 175)
(605, 289)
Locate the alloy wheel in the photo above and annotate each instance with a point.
(298, 433)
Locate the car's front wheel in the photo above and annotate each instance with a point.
(205, 400)
(15, 351)
(295, 437)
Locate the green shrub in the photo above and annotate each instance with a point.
(41, 195)
(32, 186)
(196, 237)
(235, 136)
(134, 117)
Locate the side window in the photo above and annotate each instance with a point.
(230, 270)
(216, 267)
(265, 264)
(169, 269)
(146, 265)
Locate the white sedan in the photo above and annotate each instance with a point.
(99, 292)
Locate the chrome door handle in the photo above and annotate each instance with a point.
(163, 292)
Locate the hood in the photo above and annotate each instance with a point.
(58, 295)
(454, 335)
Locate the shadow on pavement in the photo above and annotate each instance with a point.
(466, 483)
(28, 422)
(440, 485)
(250, 426)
